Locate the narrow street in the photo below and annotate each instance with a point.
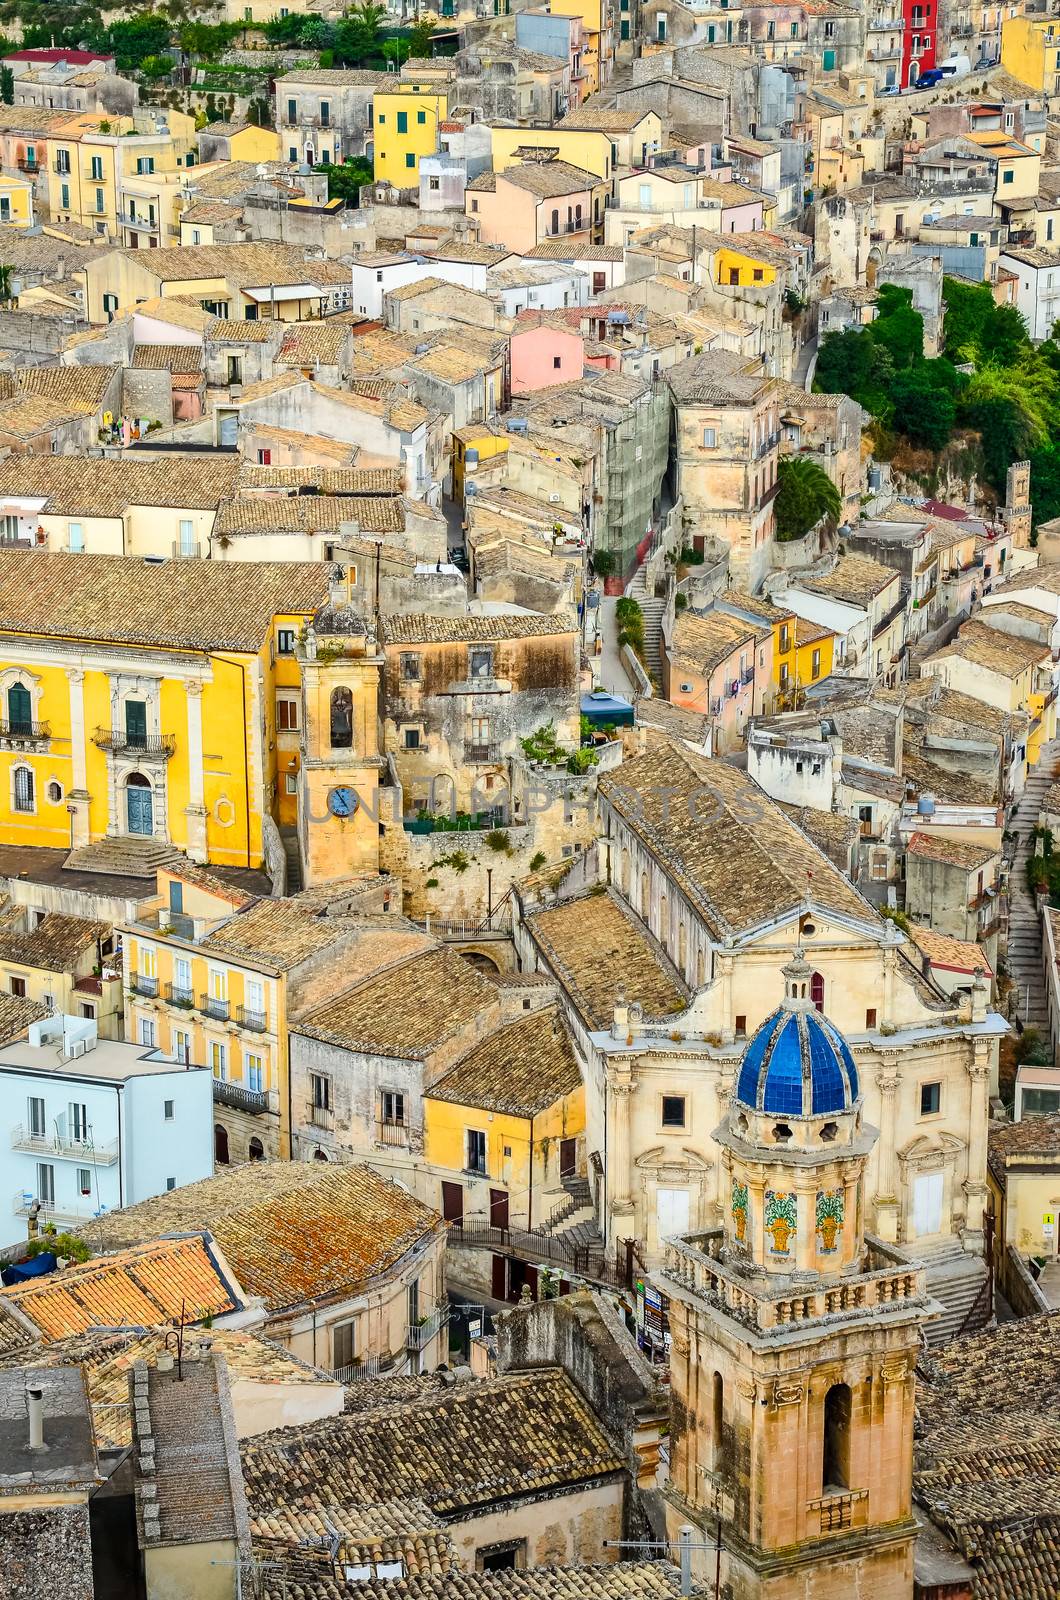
(1024, 933)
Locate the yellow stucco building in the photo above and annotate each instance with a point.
(124, 181)
(406, 120)
(1030, 50)
(16, 200)
(588, 150)
(142, 700)
(212, 974)
(741, 268)
(512, 1114)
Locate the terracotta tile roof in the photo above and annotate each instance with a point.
(106, 1357)
(1034, 1136)
(621, 1580)
(600, 952)
(278, 934)
(239, 264)
(16, 1014)
(295, 1233)
(988, 1422)
(54, 945)
(519, 1070)
(407, 1011)
(328, 480)
(309, 342)
(698, 816)
(472, 628)
(704, 642)
(855, 579)
(136, 1288)
(192, 1467)
(954, 852)
(180, 604)
(942, 949)
(178, 358)
(316, 513)
(106, 486)
(223, 331)
(524, 1434)
(1003, 653)
(549, 180)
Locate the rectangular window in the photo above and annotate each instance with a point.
(410, 159)
(146, 1031)
(343, 1344)
(255, 1074)
(403, 122)
(291, 782)
(287, 716)
(292, 110)
(18, 986)
(84, 1180)
(476, 1151)
(412, 738)
(144, 165)
(285, 641)
(741, 1027)
(930, 1099)
(187, 537)
(171, 1183)
(321, 1087)
(101, 204)
(325, 114)
(97, 168)
(45, 1183)
(35, 1116)
(393, 1108)
(182, 1046)
(77, 537)
(673, 1111)
(710, 438)
(77, 1121)
(1008, 177)
(481, 664)
(815, 664)
(167, 1110)
(64, 201)
(219, 1060)
(410, 667)
(182, 976)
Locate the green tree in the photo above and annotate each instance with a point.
(923, 411)
(358, 37)
(7, 86)
(206, 42)
(898, 329)
(1003, 336)
(420, 35)
(1045, 482)
(345, 180)
(968, 305)
(316, 33)
(806, 495)
(284, 30)
(154, 68)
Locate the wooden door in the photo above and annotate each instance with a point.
(453, 1202)
(568, 1157)
(499, 1279)
(498, 1208)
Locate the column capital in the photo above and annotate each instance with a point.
(75, 674)
(887, 1083)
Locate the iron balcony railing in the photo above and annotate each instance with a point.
(320, 1116)
(421, 1333)
(238, 1098)
(211, 1006)
(176, 995)
(139, 983)
(23, 731)
(391, 1132)
(117, 740)
(255, 1021)
(64, 1146)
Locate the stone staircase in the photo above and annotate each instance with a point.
(289, 839)
(960, 1283)
(1024, 928)
(123, 856)
(574, 1218)
(653, 608)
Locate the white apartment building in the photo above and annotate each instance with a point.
(95, 1124)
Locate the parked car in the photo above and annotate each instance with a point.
(931, 78)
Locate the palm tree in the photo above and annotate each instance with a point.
(806, 495)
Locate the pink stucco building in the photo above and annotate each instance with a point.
(545, 351)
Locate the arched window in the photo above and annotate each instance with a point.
(717, 1420)
(682, 947)
(25, 797)
(319, 1155)
(836, 1467)
(817, 991)
(555, 220)
(256, 1150)
(644, 895)
(19, 709)
(220, 1145)
(664, 921)
(341, 719)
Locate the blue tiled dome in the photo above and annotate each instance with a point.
(797, 1065)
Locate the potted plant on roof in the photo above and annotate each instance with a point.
(781, 1220)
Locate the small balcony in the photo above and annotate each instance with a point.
(421, 1333)
(320, 1116)
(233, 1095)
(30, 168)
(178, 996)
(183, 551)
(119, 741)
(481, 754)
(24, 734)
(141, 984)
(253, 1021)
(142, 224)
(389, 1131)
(23, 1204)
(213, 1006)
(63, 1147)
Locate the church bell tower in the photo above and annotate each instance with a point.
(794, 1339)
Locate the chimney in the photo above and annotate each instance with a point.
(35, 1401)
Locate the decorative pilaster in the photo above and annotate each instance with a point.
(195, 810)
(887, 1207)
(78, 798)
(621, 1090)
(978, 1118)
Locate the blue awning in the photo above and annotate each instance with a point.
(605, 709)
(35, 1267)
